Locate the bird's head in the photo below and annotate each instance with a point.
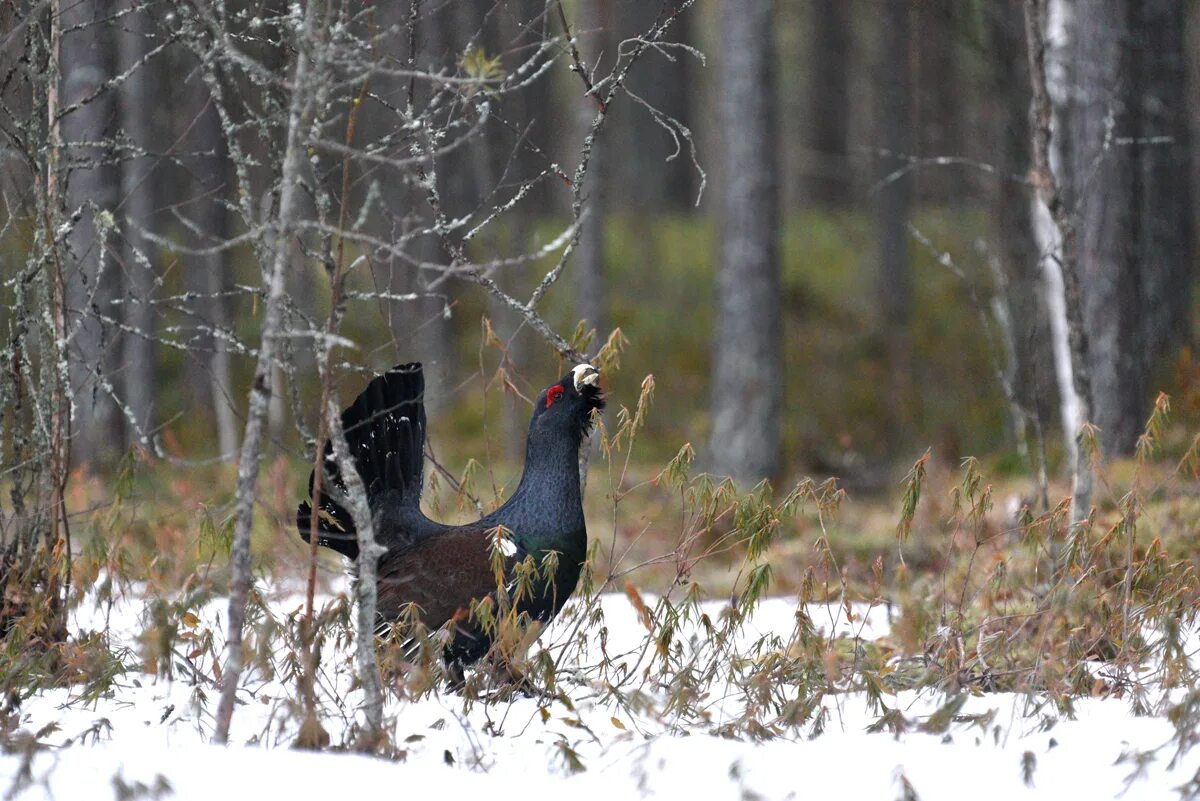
(566, 406)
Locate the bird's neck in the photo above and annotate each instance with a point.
(546, 511)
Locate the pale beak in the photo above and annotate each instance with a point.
(585, 375)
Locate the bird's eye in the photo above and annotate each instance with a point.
(554, 393)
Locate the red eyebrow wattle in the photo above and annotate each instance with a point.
(554, 393)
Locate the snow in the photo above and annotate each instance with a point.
(150, 740)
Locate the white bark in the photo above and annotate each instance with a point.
(1049, 244)
(1056, 307)
(1046, 28)
(364, 587)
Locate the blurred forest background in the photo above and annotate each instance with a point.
(814, 221)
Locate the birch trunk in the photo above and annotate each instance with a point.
(1067, 323)
(364, 585)
(1047, 233)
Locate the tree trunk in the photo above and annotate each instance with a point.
(538, 107)
(418, 327)
(1165, 251)
(139, 373)
(939, 95)
(1045, 29)
(1015, 248)
(747, 375)
(210, 275)
(1046, 232)
(91, 186)
(1129, 172)
(894, 124)
(533, 107)
(1100, 175)
(590, 285)
(829, 173)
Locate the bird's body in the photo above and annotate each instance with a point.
(444, 569)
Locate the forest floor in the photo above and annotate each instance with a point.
(949, 636)
(148, 737)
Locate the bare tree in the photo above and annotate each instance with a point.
(1054, 55)
(1067, 307)
(650, 162)
(307, 80)
(1015, 248)
(269, 131)
(364, 586)
(747, 374)
(1129, 177)
(1108, 81)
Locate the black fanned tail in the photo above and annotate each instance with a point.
(385, 429)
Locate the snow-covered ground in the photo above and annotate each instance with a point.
(151, 741)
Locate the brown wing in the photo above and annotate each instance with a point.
(441, 575)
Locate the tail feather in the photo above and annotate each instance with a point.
(385, 431)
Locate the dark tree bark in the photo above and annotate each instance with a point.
(1100, 177)
(1128, 173)
(1162, 151)
(747, 375)
(1032, 371)
(829, 173)
(894, 124)
(139, 373)
(679, 82)
(91, 187)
